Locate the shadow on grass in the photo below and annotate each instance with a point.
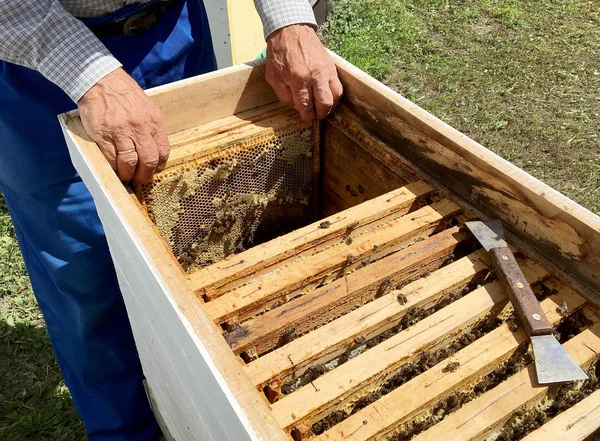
(34, 402)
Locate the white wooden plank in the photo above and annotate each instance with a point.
(181, 367)
(168, 389)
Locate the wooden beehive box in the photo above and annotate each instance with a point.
(365, 310)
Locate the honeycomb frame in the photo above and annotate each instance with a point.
(258, 187)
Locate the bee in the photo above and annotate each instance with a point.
(451, 367)
(349, 240)
(231, 327)
(563, 308)
(317, 428)
(402, 299)
(386, 283)
(364, 262)
(359, 341)
(353, 225)
(289, 335)
(317, 370)
(324, 225)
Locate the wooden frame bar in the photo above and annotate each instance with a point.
(231, 273)
(389, 413)
(481, 416)
(326, 303)
(341, 335)
(204, 142)
(254, 297)
(364, 373)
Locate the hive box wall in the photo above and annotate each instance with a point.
(557, 230)
(200, 387)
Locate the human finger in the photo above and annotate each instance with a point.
(127, 158)
(303, 102)
(148, 157)
(337, 90)
(323, 99)
(163, 146)
(109, 151)
(283, 91)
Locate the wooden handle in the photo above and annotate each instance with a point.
(519, 292)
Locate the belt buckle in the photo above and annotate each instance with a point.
(129, 27)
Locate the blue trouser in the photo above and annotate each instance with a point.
(59, 232)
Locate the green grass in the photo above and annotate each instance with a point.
(35, 404)
(520, 77)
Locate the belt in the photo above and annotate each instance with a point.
(135, 24)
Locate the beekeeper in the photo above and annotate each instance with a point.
(100, 54)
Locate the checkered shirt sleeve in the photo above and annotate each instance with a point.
(41, 35)
(275, 14)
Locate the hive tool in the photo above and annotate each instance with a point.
(553, 364)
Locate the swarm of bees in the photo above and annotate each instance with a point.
(526, 420)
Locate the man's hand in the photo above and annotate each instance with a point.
(301, 72)
(126, 125)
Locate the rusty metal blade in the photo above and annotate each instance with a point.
(489, 233)
(553, 363)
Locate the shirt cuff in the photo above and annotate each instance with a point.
(77, 60)
(276, 14)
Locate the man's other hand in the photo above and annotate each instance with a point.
(301, 72)
(126, 125)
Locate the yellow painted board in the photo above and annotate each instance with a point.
(245, 31)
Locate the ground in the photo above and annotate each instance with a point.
(34, 401)
(521, 77)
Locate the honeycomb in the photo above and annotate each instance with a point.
(223, 203)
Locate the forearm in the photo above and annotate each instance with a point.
(276, 14)
(41, 35)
